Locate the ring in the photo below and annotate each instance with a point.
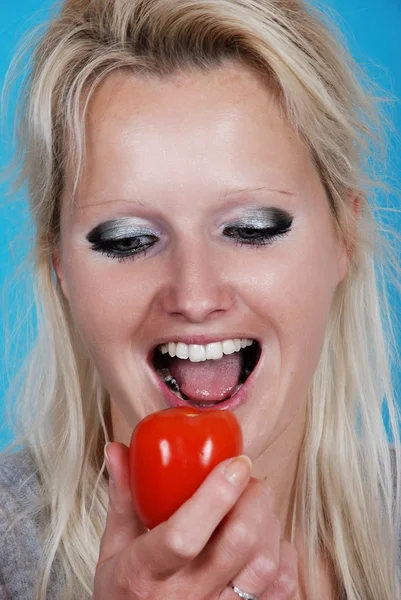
(241, 593)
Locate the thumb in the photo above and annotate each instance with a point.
(122, 524)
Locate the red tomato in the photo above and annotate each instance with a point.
(171, 453)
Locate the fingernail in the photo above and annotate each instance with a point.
(107, 460)
(239, 469)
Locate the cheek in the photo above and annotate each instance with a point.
(292, 291)
(108, 300)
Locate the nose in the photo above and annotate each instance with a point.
(198, 289)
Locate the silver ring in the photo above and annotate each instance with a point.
(241, 593)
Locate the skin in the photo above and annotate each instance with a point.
(172, 153)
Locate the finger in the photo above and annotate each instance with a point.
(257, 574)
(176, 542)
(122, 523)
(247, 548)
(286, 585)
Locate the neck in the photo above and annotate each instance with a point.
(279, 465)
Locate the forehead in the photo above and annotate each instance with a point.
(139, 92)
(211, 127)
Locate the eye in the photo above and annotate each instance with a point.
(129, 244)
(254, 236)
(125, 248)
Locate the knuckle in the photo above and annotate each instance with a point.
(120, 577)
(179, 543)
(128, 580)
(125, 579)
(115, 508)
(238, 533)
(242, 534)
(264, 568)
(236, 541)
(224, 493)
(119, 511)
(287, 584)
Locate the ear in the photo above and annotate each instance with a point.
(347, 248)
(57, 266)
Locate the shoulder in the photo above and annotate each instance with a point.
(19, 477)
(22, 525)
(19, 532)
(20, 491)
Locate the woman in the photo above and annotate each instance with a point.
(197, 175)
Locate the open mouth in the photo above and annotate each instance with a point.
(209, 382)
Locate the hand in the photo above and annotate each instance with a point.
(226, 532)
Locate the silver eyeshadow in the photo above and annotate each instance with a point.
(119, 229)
(261, 218)
(249, 217)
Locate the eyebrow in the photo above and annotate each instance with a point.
(234, 191)
(223, 196)
(130, 201)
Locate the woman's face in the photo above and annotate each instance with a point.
(188, 168)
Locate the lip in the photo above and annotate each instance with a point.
(239, 398)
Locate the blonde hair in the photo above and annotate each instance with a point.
(346, 494)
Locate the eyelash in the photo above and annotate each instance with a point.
(267, 237)
(106, 248)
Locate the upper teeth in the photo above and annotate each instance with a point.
(198, 353)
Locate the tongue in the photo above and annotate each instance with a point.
(208, 381)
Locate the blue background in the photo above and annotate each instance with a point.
(373, 31)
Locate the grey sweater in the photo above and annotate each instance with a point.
(19, 545)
